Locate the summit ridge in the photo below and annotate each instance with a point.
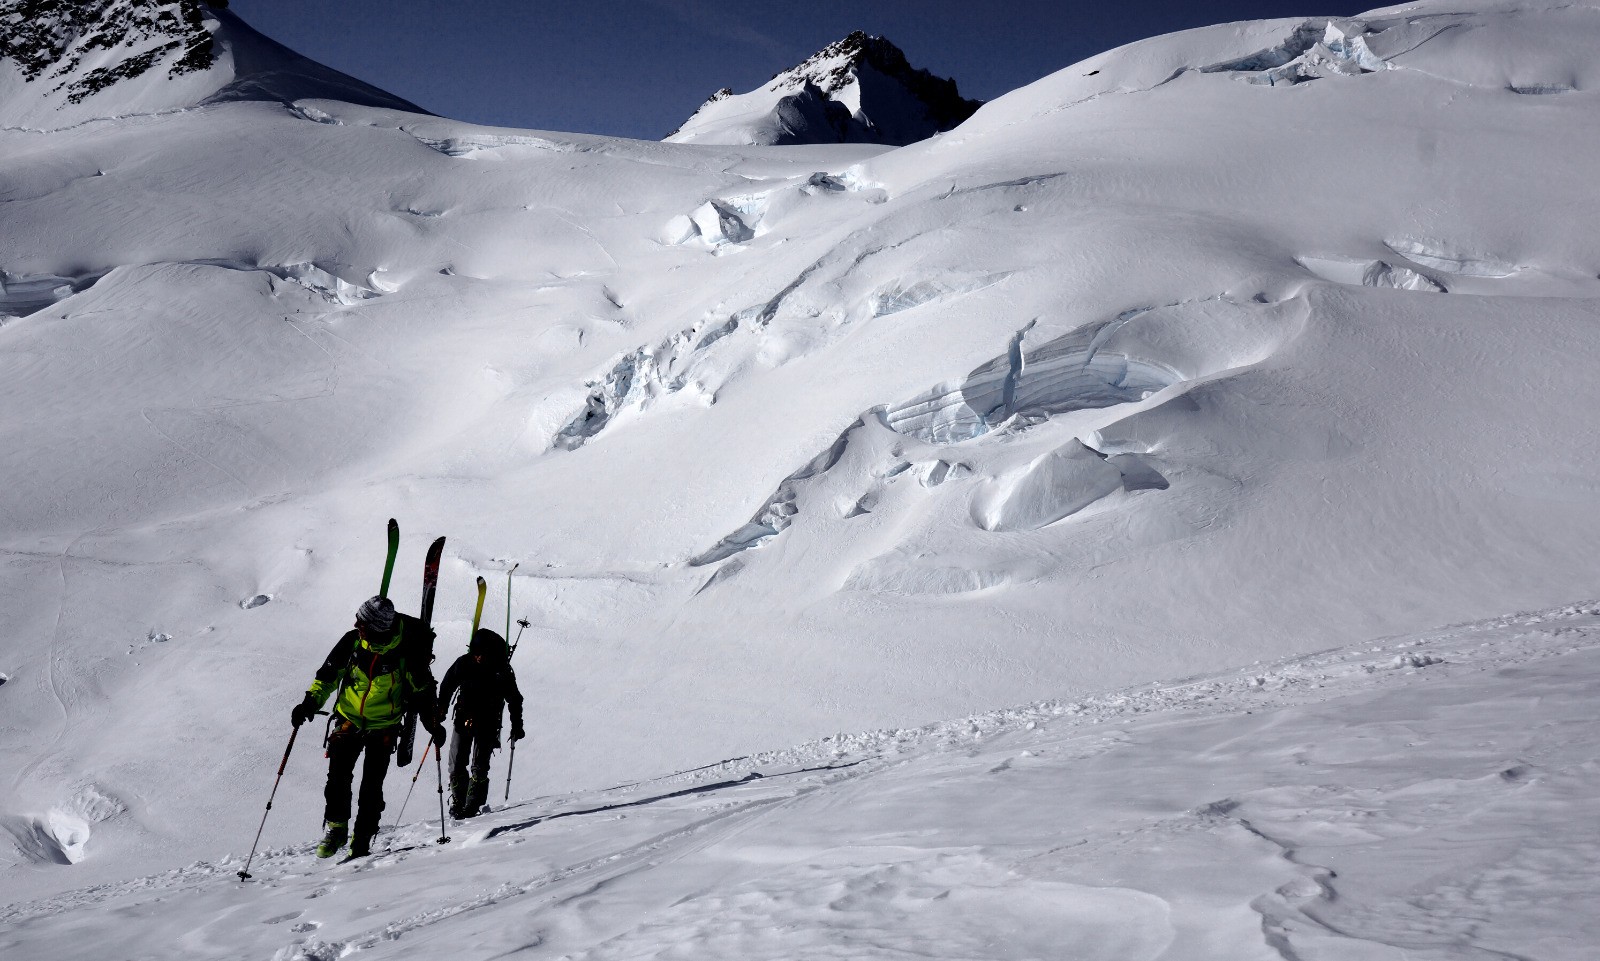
(861, 89)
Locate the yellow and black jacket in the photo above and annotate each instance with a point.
(380, 680)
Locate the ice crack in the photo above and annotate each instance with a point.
(641, 378)
(1316, 49)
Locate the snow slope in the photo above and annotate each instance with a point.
(1430, 797)
(857, 90)
(1235, 344)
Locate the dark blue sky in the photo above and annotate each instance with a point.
(638, 68)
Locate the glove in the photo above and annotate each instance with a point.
(436, 730)
(517, 733)
(304, 711)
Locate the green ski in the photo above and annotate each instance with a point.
(383, 591)
(394, 549)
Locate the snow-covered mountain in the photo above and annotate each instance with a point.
(68, 61)
(1232, 345)
(857, 90)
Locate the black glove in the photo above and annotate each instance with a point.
(304, 711)
(436, 730)
(517, 733)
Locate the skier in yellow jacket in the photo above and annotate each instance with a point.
(378, 672)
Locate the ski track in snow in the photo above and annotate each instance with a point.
(645, 860)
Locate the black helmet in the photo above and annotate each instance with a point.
(488, 644)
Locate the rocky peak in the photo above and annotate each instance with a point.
(861, 89)
(840, 63)
(50, 40)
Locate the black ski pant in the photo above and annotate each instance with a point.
(474, 743)
(345, 745)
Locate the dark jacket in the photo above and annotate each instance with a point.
(486, 683)
(382, 678)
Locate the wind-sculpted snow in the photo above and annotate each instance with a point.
(779, 510)
(1539, 89)
(1434, 266)
(641, 378)
(478, 145)
(1120, 362)
(714, 222)
(1380, 274)
(1072, 372)
(1056, 486)
(701, 357)
(1442, 257)
(737, 218)
(906, 293)
(1370, 273)
(1316, 49)
(62, 834)
(23, 295)
(326, 283)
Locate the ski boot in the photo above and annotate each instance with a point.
(333, 840)
(360, 846)
(477, 796)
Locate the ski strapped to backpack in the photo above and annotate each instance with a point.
(477, 614)
(383, 591)
(430, 586)
(511, 758)
(477, 618)
(394, 549)
(508, 597)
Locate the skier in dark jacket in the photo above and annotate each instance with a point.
(487, 685)
(378, 672)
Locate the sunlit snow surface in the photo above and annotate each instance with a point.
(1231, 345)
(1424, 797)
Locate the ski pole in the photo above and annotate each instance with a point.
(438, 766)
(244, 875)
(523, 622)
(511, 761)
(421, 761)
